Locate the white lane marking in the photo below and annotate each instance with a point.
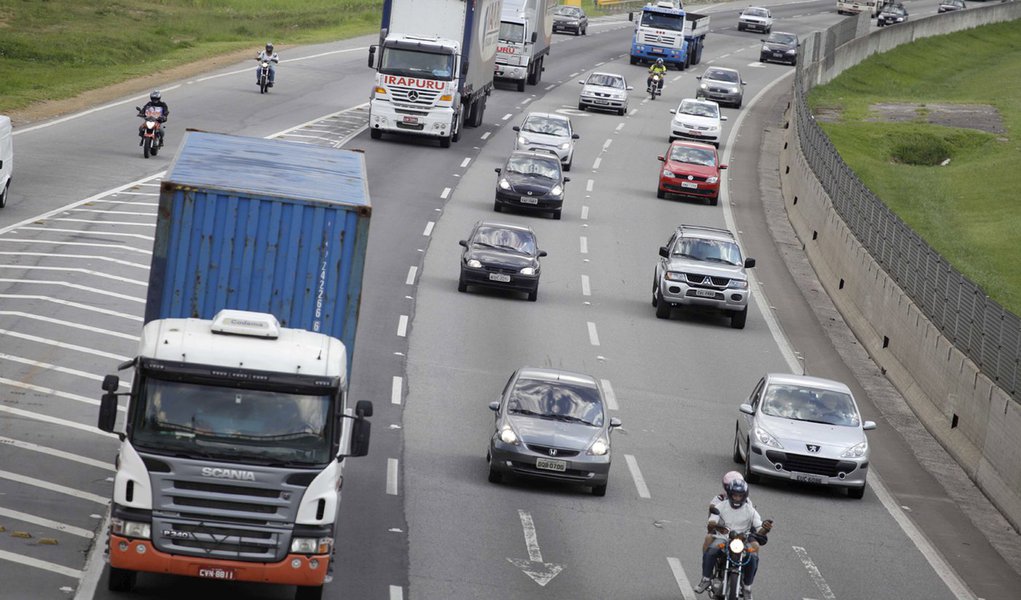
(137, 236)
(606, 144)
(95, 222)
(611, 397)
(50, 391)
(120, 247)
(54, 487)
(583, 242)
(596, 163)
(6, 441)
(526, 101)
(26, 414)
(391, 476)
(585, 289)
(550, 87)
(531, 539)
(687, 592)
(74, 286)
(40, 564)
(68, 324)
(814, 574)
(49, 342)
(593, 335)
(85, 256)
(428, 228)
(445, 194)
(402, 326)
(573, 75)
(396, 592)
(507, 116)
(724, 55)
(466, 162)
(620, 126)
(589, 185)
(412, 271)
(77, 305)
(89, 272)
(584, 213)
(43, 522)
(487, 134)
(632, 113)
(678, 77)
(395, 390)
(636, 474)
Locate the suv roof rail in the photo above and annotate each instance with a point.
(684, 226)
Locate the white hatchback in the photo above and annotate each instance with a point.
(547, 132)
(757, 18)
(698, 120)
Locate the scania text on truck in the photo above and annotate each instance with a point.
(435, 67)
(526, 29)
(665, 30)
(237, 424)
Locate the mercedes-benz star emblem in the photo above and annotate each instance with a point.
(413, 96)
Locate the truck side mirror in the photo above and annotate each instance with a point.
(111, 383)
(535, 36)
(372, 56)
(631, 16)
(363, 408)
(107, 410)
(360, 433)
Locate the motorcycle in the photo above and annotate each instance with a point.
(264, 82)
(152, 138)
(655, 85)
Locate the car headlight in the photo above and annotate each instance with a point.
(556, 190)
(132, 529)
(712, 179)
(673, 276)
(765, 438)
(856, 451)
(791, 51)
(765, 48)
(599, 447)
(311, 545)
(734, 90)
(738, 284)
(565, 145)
(669, 174)
(528, 271)
(703, 86)
(523, 140)
(474, 263)
(504, 184)
(572, 22)
(508, 436)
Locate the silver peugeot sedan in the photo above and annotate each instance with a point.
(806, 429)
(552, 424)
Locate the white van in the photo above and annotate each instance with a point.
(6, 158)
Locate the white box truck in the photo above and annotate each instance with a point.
(526, 29)
(435, 67)
(6, 158)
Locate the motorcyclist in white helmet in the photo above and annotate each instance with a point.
(714, 502)
(270, 56)
(735, 514)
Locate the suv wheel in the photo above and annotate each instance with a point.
(662, 306)
(738, 318)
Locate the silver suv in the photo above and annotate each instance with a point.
(702, 267)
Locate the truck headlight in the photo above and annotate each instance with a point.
(311, 545)
(131, 529)
(379, 90)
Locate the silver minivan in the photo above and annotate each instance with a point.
(6, 158)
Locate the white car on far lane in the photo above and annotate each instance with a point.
(757, 18)
(698, 120)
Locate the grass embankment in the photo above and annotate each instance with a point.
(970, 209)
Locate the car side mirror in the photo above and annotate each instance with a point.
(664, 252)
(494, 406)
(498, 170)
(744, 83)
(631, 16)
(575, 136)
(630, 87)
(516, 128)
(868, 425)
(661, 159)
(542, 253)
(723, 117)
(581, 82)
(746, 409)
(699, 78)
(723, 167)
(462, 243)
(615, 422)
(749, 263)
(566, 179)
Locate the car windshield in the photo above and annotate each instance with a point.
(558, 400)
(512, 32)
(606, 81)
(721, 75)
(787, 39)
(521, 242)
(755, 12)
(802, 403)
(708, 250)
(568, 11)
(547, 125)
(699, 109)
(695, 156)
(529, 165)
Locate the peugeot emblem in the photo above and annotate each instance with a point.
(413, 96)
(552, 451)
(812, 447)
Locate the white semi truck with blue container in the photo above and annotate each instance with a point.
(665, 30)
(237, 422)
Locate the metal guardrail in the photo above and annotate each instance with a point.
(979, 327)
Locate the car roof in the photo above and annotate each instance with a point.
(712, 68)
(706, 232)
(698, 101)
(754, 8)
(688, 144)
(605, 73)
(547, 116)
(782, 33)
(502, 225)
(533, 154)
(557, 375)
(808, 381)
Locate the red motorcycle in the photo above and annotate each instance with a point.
(151, 130)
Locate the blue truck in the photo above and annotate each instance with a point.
(665, 30)
(237, 423)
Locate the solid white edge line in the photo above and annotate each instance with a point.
(391, 476)
(593, 335)
(412, 271)
(636, 475)
(682, 580)
(395, 390)
(611, 397)
(402, 326)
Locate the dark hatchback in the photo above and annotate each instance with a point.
(780, 47)
(570, 18)
(532, 181)
(501, 256)
(891, 15)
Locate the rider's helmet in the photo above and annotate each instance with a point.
(737, 493)
(730, 477)
(154, 96)
(269, 47)
(659, 61)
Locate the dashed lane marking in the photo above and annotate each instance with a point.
(593, 335)
(395, 390)
(611, 397)
(585, 289)
(412, 271)
(687, 592)
(636, 475)
(391, 476)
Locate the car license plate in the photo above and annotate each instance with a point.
(807, 478)
(778, 55)
(657, 51)
(499, 277)
(411, 120)
(689, 184)
(216, 573)
(705, 293)
(526, 200)
(601, 101)
(551, 465)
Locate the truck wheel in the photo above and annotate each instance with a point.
(455, 135)
(521, 85)
(376, 134)
(480, 111)
(634, 60)
(309, 592)
(121, 580)
(445, 142)
(698, 54)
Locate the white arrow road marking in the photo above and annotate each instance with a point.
(540, 572)
(813, 572)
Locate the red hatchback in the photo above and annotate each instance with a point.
(690, 169)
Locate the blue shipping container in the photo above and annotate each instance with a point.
(262, 225)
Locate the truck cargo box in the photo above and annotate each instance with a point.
(262, 225)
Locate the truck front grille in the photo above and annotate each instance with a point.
(415, 96)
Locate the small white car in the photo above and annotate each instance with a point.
(547, 132)
(698, 120)
(607, 91)
(755, 18)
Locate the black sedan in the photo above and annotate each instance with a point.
(780, 47)
(497, 255)
(570, 18)
(531, 181)
(892, 14)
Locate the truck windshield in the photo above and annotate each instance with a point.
(233, 424)
(415, 63)
(512, 32)
(661, 21)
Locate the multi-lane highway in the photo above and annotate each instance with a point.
(419, 519)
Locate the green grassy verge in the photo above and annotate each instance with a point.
(968, 210)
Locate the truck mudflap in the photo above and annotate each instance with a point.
(140, 555)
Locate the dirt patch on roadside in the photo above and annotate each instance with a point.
(982, 117)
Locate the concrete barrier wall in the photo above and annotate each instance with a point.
(977, 422)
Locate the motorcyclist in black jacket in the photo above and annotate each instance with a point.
(155, 101)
